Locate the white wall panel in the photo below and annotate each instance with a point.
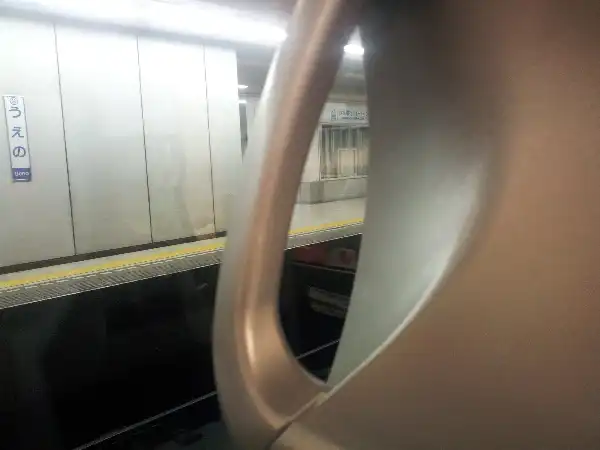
(104, 138)
(251, 106)
(35, 217)
(312, 166)
(177, 138)
(224, 123)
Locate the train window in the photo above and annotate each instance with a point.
(344, 151)
(138, 120)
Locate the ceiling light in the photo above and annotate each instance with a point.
(354, 49)
(241, 87)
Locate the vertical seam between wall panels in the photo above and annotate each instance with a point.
(212, 178)
(319, 151)
(137, 46)
(62, 112)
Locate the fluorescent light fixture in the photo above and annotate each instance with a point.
(188, 18)
(354, 49)
(241, 87)
(242, 101)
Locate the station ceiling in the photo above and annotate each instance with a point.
(253, 61)
(185, 19)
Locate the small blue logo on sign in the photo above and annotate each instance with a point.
(21, 174)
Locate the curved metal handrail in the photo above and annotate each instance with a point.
(254, 367)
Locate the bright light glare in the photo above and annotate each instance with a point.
(186, 18)
(242, 101)
(354, 49)
(241, 87)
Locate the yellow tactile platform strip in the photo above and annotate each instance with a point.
(147, 265)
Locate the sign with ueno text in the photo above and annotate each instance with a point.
(18, 146)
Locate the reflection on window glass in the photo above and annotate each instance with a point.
(140, 119)
(344, 151)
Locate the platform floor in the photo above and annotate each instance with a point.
(310, 224)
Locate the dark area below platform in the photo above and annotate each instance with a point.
(130, 367)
